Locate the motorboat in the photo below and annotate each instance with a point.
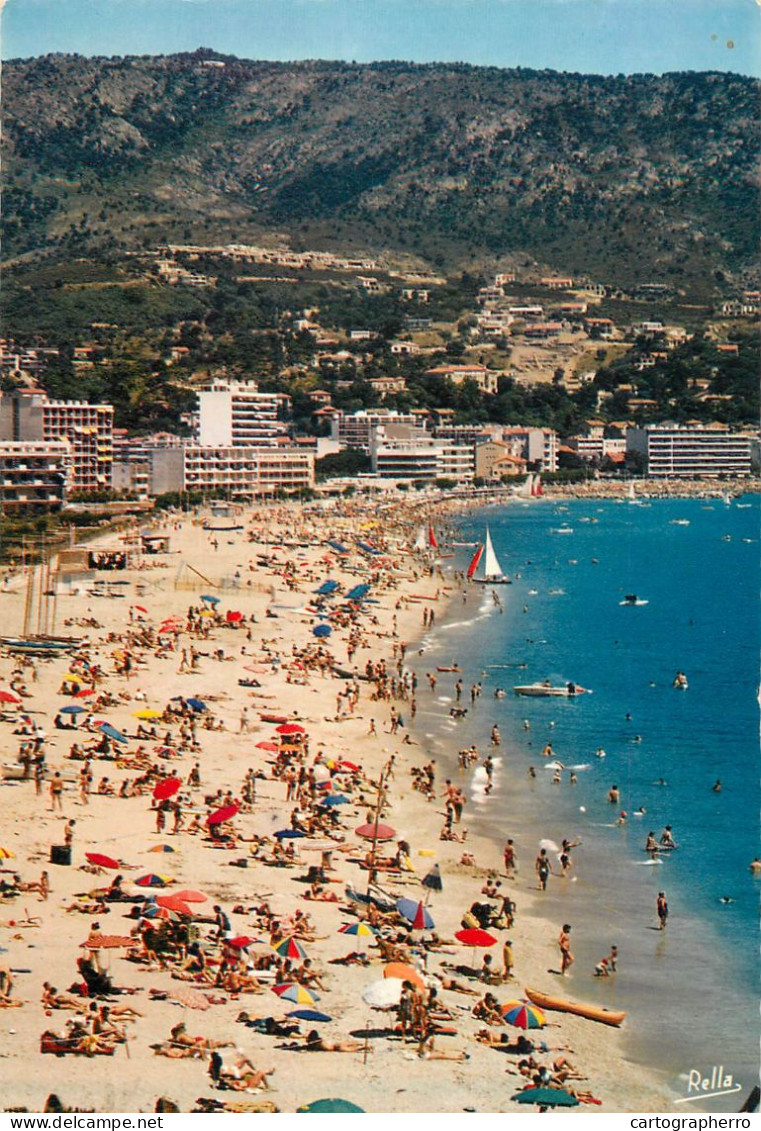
(546, 690)
(631, 599)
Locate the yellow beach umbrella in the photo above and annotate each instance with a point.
(147, 713)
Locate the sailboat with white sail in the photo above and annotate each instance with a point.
(493, 573)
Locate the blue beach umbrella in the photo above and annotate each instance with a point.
(308, 1015)
(72, 710)
(358, 592)
(322, 630)
(289, 834)
(329, 1106)
(410, 909)
(210, 599)
(327, 588)
(196, 704)
(336, 799)
(112, 732)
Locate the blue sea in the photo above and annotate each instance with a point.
(691, 990)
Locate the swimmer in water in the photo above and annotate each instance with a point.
(651, 845)
(599, 752)
(726, 899)
(716, 787)
(661, 781)
(755, 866)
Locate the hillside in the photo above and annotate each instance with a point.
(620, 179)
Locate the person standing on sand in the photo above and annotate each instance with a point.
(564, 942)
(662, 908)
(508, 856)
(56, 790)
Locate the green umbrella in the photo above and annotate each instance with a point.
(546, 1097)
(330, 1106)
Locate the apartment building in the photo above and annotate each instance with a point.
(356, 429)
(31, 415)
(33, 474)
(236, 414)
(691, 451)
(246, 471)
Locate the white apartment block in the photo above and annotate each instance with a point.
(537, 445)
(674, 451)
(246, 471)
(401, 452)
(33, 473)
(356, 429)
(88, 428)
(236, 414)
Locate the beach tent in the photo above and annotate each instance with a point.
(358, 592)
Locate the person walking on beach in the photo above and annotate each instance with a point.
(56, 791)
(564, 942)
(543, 868)
(662, 908)
(508, 856)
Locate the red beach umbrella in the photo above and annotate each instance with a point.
(290, 728)
(101, 861)
(8, 697)
(190, 896)
(141, 609)
(418, 923)
(376, 832)
(84, 693)
(352, 766)
(233, 616)
(173, 903)
(475, 937)
(271, 747)
(167, 787)
(240, 942)
(224, 814)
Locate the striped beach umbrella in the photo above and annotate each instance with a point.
(292, 991)
(289, 947)
(523, 1015)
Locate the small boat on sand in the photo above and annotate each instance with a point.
(580, 1008)
(546, 690)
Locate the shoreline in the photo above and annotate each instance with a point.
(126, 829)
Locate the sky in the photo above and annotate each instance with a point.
(588, 36)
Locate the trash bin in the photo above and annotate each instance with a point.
(60, 854)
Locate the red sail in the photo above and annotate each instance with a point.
(432, 539)
(474, 562)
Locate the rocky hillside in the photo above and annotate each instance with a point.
(618, 178)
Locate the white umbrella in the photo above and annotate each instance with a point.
(384, 994)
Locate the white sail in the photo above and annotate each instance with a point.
(492, 568)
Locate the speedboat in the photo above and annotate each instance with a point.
(632, 599)
(546, 690)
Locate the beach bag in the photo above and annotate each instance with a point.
(469, 921)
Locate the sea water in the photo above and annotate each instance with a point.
(691, 990)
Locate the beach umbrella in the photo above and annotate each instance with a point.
(321, 630)
(196, 704)
(141, 609)
(432, 879)
(546, 1097)
(289, 834)
(6, 854)
(112, 732)
(352, 767)
(156, 912)
(8, 697)
(72, 709)
(360, 929)
(240, 942)
(226, 813)
(211, 600)
(415, 913)
(327, 588)
(162, 848)
(383, 994)
(523, 1015)
(270, 747)
(289, 728)
(101, 861)
(358, 592)
(167, 787)
(308, 1015)
(329, 1106)
(72, 677)
(188, 895)
(174, 903)
(84, 693)
(147, 713)
(290, 947)
(153, 880)
(375, 832)
(476, 938)
(404, 971)
(292, 991)
(334, 799)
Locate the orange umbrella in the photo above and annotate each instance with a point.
(405, 972)
(190, 896)
(172, 903)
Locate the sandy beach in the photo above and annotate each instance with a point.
(162, 642)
